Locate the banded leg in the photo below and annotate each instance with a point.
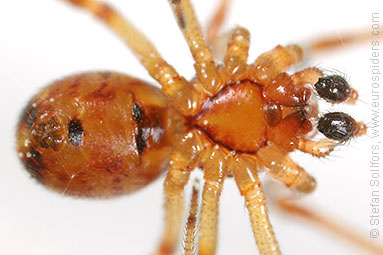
(184, 159)
(235, 61)
(282, 168)
(215, 172)
(175, 87)
(246, 177)
(192, 221)
(206, 70)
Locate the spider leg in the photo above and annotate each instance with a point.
(191, 222)
(268, 65)
(333, 42)
(185, 157)
(235, 61)
(206, 70)
(215, 172)
(216, 22)
(287, 205)
(178, 90)
(246, 177)
(281, 167)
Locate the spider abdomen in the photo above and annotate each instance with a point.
(97, 134)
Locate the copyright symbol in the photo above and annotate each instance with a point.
(374, 233)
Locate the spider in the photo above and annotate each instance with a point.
(232, 84)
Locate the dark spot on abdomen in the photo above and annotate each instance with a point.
(137, 113)
(75, 132)
(117, 180)
(34, 164)
(140, 141)
(139, 117)
(48, 134)
(29, 114)
(106, 75)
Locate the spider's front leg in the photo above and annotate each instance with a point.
(207, 73)
(268, 65)
(235, 61)
(186, 156)
(175, 87)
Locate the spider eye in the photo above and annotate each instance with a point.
(337, 126)
(333, 88)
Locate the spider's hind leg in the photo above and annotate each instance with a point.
(186, 156)
(246, 176)
(215, 171)
(191, 223)
(289, 206)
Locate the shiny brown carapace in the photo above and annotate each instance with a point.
(105, 134)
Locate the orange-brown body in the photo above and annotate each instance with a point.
(106, 134)
(97, 134)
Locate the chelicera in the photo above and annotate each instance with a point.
(107, 134)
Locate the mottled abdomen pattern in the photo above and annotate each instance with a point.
(97, 134)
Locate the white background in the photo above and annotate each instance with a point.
(43, 40)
